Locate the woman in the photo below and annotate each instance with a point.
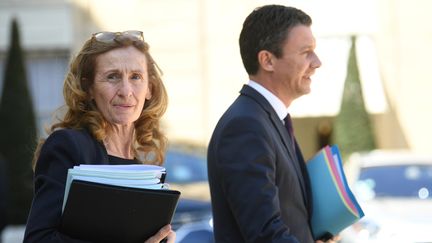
(114, 101)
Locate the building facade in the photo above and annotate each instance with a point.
(195, 42)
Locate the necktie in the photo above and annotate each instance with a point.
(290, 129)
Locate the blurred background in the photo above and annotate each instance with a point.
(372, 91)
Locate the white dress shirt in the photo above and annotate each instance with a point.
(274, 101)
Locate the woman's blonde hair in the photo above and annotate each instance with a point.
(81, 112)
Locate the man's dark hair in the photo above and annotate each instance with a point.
(266, 28)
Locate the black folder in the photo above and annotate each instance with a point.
(106, 213)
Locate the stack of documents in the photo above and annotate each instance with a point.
(116, 203)
(133, 175)
(334, 205)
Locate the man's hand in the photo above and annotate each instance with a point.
(334, 239)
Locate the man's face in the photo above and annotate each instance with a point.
(292, 72)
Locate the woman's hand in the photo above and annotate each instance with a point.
(163, 233)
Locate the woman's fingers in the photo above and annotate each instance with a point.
(171, 237)
(160, 235)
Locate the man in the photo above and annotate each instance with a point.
(258, 179)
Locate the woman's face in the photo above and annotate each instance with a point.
(121, 85)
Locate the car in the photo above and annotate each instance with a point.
(394, 189)
(187, 173)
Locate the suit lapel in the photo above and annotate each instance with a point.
(293, 154)
(306, 180)
(283, 133)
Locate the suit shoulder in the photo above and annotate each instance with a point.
(72, 138)
(68, 133)
(71, 132)
(244, 111)
(243, 119)
(76, 143)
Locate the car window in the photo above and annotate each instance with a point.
(185, 168)
(398, 181)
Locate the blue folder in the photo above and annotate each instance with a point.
(334, 205)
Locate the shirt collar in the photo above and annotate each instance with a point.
(275, 102)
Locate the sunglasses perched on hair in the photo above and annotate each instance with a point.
(108, 37)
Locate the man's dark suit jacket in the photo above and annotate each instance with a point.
(258, 181)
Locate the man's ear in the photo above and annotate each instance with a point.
(265, 60)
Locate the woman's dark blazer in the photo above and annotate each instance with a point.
(62, 150)
(258, 182)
